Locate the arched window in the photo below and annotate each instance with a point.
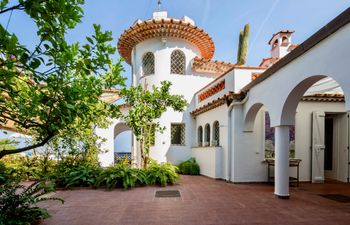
(200, 136)
(207, 135)
(178, 62)
(284, 40)
(216, 133)
(275, 43)
(148, 63)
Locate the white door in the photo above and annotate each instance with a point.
(318, 147)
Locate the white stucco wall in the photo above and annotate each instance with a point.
(210, 160)
(106, 158)
(185, 85)
(248, 149)
(218, 114)
(243, 76)
(229, 86)
(234, 81)
(330, 57)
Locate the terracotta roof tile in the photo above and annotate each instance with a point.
(323, 98)
(168, 27)
(266, 62)
(202, 65)
(281, 31)
(228, 97)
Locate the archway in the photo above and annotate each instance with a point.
(122, 143)
(316, 106)
(268, 131)
(251, 115)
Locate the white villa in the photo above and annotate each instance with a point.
(301, 91)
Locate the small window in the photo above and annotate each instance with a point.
(148, 63)
(178, 62)
(284, 40)
(207, 135)
(216, 133)
(200, 136)
(178, 134)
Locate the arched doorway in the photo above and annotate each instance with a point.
(122, 143)
(317, 107)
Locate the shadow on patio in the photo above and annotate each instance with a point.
(203, 201)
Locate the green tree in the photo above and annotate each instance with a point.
(243, 45)
(54, 88)
(8, 144)
(145, 107)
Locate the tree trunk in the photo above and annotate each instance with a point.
(142, 154)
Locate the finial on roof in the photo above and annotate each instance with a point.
(159, 5)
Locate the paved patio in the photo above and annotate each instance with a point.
(203, 201)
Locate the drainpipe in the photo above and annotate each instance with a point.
(348, 120)
(134, 155)
(229, 139)
(133, 69)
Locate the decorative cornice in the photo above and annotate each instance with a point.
(226, 98)
(168, 27)
(211, 91)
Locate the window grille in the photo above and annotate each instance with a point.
(200, 136)
(148, 63)
(216, 133)
(178, 134)
(207, 135)
(178, 62)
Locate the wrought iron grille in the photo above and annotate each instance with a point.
(200, 136)
(178, 62)
(148, 63)
(178, 134)
(216, 137)
(122, 156)
(207, 135)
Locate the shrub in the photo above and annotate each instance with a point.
(189, 167)
(161, 174)
(18, 203)
(123, 175)
(5, 174)
(81, 176)
(66, 176)
(29, 167)
(120, 175)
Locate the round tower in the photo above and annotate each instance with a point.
(161, 49)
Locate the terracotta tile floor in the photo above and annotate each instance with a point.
(203, 201)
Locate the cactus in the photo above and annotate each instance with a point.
(243, 45)
(239, 52)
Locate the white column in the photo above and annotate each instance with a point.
(282, 161)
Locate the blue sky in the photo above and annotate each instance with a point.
(222, 19)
